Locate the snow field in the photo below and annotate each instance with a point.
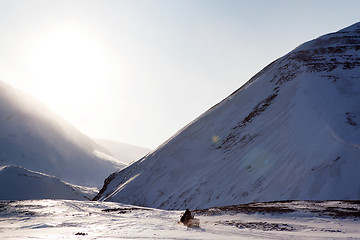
(69, 219)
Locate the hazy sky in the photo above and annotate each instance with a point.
(138, 71)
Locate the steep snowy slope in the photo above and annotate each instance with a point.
(33, 137)
(22, 184)
(291, 132)
(126, 153)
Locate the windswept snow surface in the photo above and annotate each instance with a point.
(291, 132)
(66, 219)
(22, 184)
(33, 137)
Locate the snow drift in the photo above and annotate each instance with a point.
(33, 137)
(22, 184)
(291, 132)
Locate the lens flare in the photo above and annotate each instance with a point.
(215, 139)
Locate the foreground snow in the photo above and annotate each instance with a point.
(67, 219)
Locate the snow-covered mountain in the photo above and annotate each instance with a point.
(21, 184)
(291, 132)
(33, 137)
(124, 152)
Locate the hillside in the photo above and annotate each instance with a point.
(291, 132)
(33, 137)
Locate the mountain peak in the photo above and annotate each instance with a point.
(291, 132)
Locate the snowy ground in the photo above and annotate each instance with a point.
(67, 219)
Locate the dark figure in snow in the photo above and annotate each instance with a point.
(185, 218)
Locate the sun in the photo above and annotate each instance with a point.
(68, 69)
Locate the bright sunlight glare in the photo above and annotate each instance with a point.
(68, 67)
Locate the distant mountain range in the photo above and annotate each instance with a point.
(291, 132)
(124, 152)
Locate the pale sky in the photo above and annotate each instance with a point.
(138, 71)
